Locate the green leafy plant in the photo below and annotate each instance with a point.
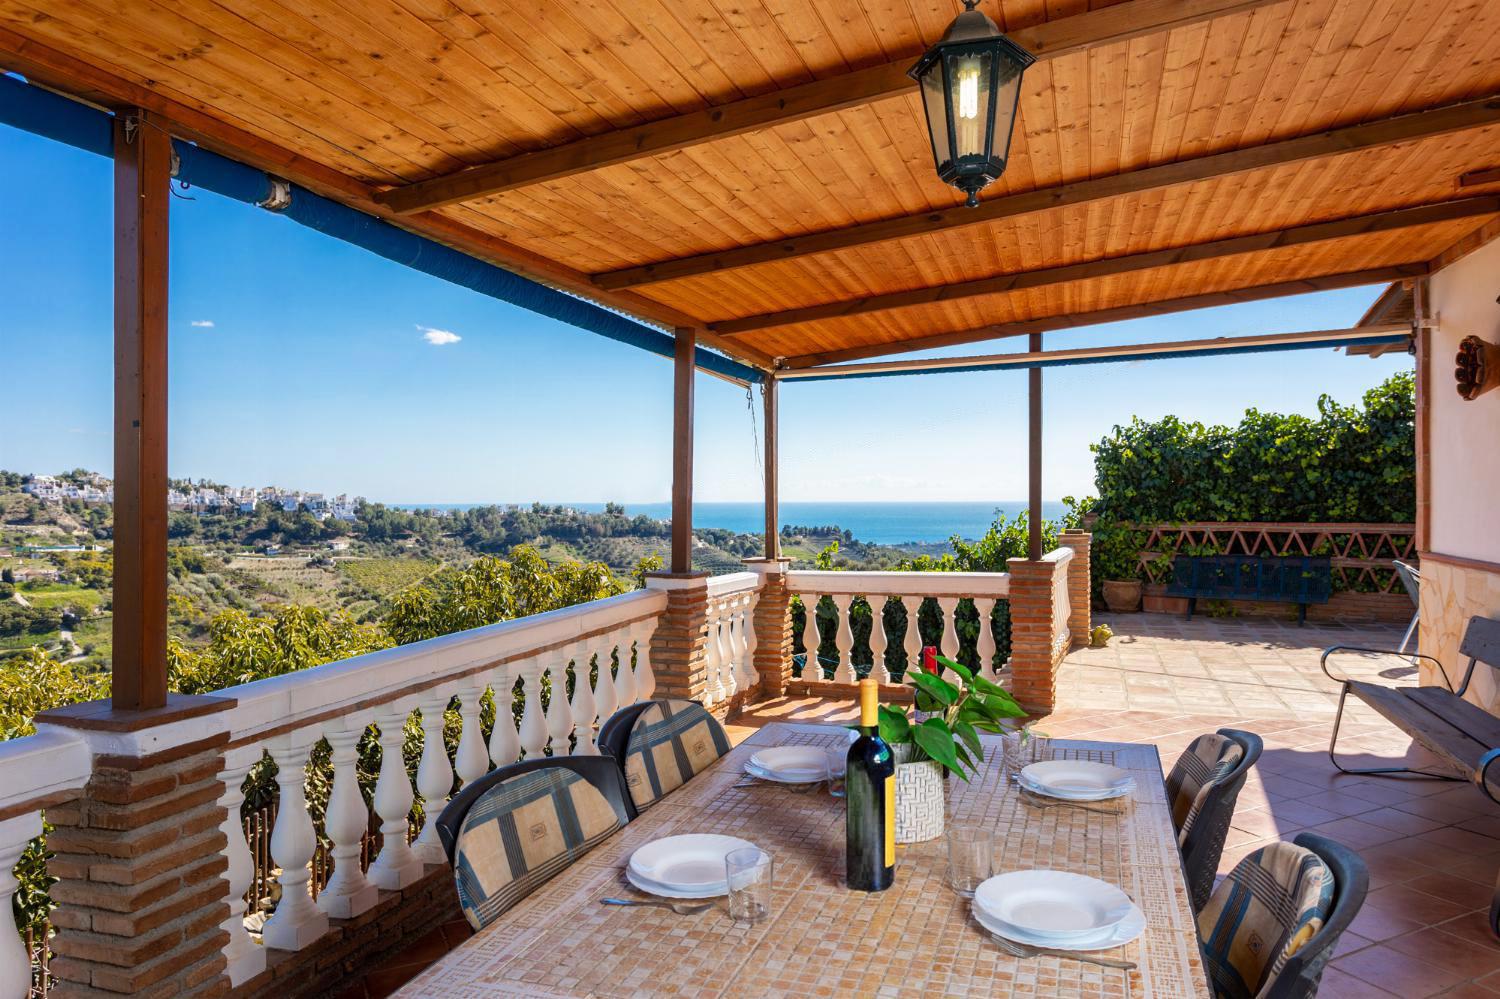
(956, 714)
(1100, 635)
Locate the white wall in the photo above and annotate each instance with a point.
(1465, 436)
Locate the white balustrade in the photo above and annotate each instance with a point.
(713, 690)
(349, 892)
(744, 630)
(985, 647)
(245, 958)
(559, 713)
(471, 760)
(15, 963)
(434, 775)
(729, 664)
(911, 588)
(505, 743)
(606, 689)
(878, 668)
(645, 680)
(584, 709)
(812, 669)
(625, 677)
(1062, 636)
(396, 866)
(297, 921)
(533, 733)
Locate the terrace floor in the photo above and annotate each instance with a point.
(1433, 847)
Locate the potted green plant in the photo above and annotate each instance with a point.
(957, 707)
(1116, 555)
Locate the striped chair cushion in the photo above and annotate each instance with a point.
(671, 741)
(1264, 911)
(1206, 762)
(521, 833)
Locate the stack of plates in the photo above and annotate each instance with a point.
(792, 765)
(1057, 910)
(683, 866)
(1076, 780)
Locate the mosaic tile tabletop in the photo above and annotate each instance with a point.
(918, 938)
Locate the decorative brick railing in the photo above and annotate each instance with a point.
(1361, 554)
(729, 656)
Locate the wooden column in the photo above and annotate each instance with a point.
(771, 459)
(682, 450)
(143, 175)
(1422, 346)
(1034, 496)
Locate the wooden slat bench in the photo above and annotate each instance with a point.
(1462, 735)
(1299, 579)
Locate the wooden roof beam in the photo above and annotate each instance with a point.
(67, 75)
(1386, 131)
(1355, 225)
(1121, 22)
(1255, 293)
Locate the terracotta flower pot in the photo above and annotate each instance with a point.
(920, 805)
(1122, 596)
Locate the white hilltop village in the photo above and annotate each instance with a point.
(201, 499)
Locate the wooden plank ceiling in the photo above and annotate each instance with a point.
(1128, 130)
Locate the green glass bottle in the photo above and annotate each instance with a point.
(870, 797)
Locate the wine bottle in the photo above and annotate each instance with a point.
(870, 796)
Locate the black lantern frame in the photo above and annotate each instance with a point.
(971, 85)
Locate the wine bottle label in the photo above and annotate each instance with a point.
(890, 821)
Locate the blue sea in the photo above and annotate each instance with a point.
(881, 523)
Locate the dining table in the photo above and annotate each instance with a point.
(822, 939)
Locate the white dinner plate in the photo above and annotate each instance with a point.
(1052, 905)
(1069, 795)
(1077, 779)
(1126, 930)
(690, 863)
(650, 887)
(792, 764)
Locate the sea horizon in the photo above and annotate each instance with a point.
(876, 522)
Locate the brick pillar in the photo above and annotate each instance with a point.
(1080, 585)
(140, 855)
(677, 645)
(1031, 661)
(773, 626)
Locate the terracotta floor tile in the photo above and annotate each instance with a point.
(1473, 926)
(1462, 842)
(1337, 984)
(1456, 954)
(1474, 894)
(385, 981)
(1357, 834)
(1409, 903)
(1398, 972)
(1396, 820)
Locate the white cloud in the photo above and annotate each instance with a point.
(203, 324)
(437, 337)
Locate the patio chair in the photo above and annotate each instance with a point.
(514, 829)
(660, 745)
(1271, 927)
(1202, 789)
(1411, 578)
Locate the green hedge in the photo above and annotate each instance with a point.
(1349, 464)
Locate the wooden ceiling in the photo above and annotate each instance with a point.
(760, 169)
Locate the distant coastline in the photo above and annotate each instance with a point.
(877, 523)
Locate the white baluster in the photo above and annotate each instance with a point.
(297, 922)
(645, 680)
(986, 647)
(348, 892)
(15, 963)
(533, 733)
(713, 691)
(559, 714)
(729, 677)
(625, 677)
(878, 670)
(745, 629)
(471, 759)
(396, 866)
(243, 957)
(912, 643)
(585, 708)
(606, 688)
(434, 776)
(843, 639)
(505, 744)
(949, 644)
(812, 669)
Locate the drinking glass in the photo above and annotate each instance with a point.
(971, 858)
(837, 759)
(749, 872)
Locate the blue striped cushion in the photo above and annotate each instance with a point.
(1206, 762)
(1272, 903)
(671, 741)
(523, 832)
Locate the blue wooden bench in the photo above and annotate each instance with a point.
(1298, 579)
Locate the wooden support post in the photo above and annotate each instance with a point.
(773, 499)
(682, 451)
(1422, 347)
(1034, 497)
(143, 177)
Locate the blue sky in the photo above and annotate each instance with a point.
(301, 361)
